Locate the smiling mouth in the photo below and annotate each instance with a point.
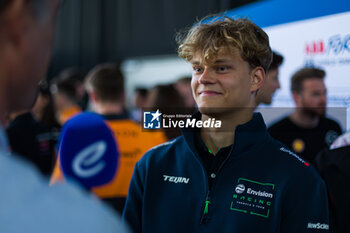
(209, 93)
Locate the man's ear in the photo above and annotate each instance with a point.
(297, 98)
(257, 78)
(92, 96)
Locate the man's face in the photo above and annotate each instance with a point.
(223, 85)
(34, 54)
(313, 97)
(269, 87)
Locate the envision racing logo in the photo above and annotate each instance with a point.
(240, 188)
(252, 197)
(259, 193)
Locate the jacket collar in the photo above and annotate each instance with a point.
(247, 135)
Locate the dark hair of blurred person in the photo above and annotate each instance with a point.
(183, 86)
(64, 91)
(44, 109)
(140, 100)
(105, 85)
(168, 100)
(303, 74)
(271, 83)
(76, 77)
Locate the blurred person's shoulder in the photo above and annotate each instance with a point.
(27, 199)
(341, 141)
(280, 124)
(128, 127)
(330, 123)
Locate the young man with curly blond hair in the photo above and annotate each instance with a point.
(235, 178)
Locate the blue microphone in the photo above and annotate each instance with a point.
(88, 150)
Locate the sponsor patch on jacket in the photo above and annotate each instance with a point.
(294, 155)
(252, 197)
(318, 226)
(176, 179)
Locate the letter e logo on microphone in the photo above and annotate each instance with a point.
(88, 162)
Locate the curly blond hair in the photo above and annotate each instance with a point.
(216, 34)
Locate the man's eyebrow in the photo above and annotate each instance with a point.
(195, 62)
(221, 61)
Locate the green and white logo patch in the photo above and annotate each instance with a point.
(253, 197)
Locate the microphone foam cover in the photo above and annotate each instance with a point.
(88, 150)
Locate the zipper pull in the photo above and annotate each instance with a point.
(205, 217)
(206, 209)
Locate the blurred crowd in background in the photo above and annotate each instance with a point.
(33, 134)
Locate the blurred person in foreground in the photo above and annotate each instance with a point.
(233, 177)
(307, 130)
(27, 204)
(271, 83)
(105, 85)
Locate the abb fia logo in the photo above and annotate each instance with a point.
(336, 44)
(315, 47)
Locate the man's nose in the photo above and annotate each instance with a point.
(207, 77)
(278, 85)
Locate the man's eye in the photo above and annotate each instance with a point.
(197, 69)
(316, 94)
(222, 68)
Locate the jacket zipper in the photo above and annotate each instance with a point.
(207, 202)
(205, 217)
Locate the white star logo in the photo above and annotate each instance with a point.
(156, 115)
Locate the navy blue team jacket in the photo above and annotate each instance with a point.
(261, 187)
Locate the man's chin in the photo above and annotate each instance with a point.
(208, 110)
(268, 102)
(316, 112)
(322, 113)
(213, 112)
